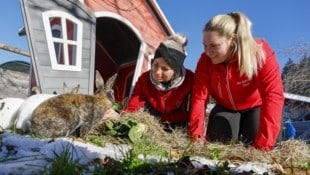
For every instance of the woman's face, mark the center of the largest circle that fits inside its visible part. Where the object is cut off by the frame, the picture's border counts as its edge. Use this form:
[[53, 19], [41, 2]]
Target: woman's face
[[162, 72], [218, 48]]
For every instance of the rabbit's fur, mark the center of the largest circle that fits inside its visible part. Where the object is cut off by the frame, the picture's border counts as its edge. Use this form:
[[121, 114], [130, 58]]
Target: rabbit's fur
[[8, 109], [73, 114], [24, 113]]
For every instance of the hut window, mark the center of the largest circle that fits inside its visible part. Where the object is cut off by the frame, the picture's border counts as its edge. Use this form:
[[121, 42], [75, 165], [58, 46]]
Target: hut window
[[64, 39]]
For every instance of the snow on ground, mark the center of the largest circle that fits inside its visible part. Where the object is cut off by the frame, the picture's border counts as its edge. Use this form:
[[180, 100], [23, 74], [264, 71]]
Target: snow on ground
[[23, 155]]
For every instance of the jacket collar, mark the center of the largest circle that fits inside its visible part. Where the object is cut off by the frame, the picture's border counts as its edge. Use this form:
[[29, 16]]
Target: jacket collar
[[175, 82]]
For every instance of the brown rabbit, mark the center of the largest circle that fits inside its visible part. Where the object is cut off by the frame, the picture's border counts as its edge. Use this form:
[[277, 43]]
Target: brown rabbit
[[69, 114], [25, 111]]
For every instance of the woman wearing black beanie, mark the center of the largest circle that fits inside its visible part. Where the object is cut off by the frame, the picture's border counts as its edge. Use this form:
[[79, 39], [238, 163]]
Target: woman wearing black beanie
[[165, 90]]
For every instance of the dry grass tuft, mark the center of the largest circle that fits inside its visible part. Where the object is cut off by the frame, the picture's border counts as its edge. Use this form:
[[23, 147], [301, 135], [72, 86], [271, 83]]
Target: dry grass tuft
[[155, 129], [290, 153]]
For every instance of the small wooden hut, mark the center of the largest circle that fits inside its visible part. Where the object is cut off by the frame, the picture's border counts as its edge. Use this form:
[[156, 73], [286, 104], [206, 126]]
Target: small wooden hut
[[70, 39]]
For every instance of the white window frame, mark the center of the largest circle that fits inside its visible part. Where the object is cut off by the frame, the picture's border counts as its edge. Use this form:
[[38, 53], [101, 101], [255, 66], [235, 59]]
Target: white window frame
[[150, 57], [63, 16]]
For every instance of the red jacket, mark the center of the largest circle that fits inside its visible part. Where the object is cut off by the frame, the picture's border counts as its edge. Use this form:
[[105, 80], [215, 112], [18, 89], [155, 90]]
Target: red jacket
[[172, 104], [224, 83]]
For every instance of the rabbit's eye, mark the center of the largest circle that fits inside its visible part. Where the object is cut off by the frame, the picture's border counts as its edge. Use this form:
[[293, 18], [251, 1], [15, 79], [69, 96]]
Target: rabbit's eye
[[110, 95]]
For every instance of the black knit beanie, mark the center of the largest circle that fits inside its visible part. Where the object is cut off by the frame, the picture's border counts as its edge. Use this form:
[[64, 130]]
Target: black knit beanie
[[173, 57]]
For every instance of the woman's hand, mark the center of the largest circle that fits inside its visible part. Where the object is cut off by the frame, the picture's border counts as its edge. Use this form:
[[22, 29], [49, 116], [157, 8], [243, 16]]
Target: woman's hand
[[111, 114], [199, 139]]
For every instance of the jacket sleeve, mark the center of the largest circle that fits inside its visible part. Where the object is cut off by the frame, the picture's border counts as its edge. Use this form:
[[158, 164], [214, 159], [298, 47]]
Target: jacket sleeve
[[199, 99], [137, 98], [271, 90]]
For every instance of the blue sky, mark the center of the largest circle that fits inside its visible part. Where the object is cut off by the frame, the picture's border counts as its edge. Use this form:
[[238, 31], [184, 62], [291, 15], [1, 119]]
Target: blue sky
[[11, 19], [281, 23]]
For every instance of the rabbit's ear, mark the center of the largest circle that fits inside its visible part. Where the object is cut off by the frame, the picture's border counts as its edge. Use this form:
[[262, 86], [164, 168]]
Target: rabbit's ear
[[110, 82], [2, 105], [109, 87], [76, 89], [99, 81], [65, 88], [36, 90]]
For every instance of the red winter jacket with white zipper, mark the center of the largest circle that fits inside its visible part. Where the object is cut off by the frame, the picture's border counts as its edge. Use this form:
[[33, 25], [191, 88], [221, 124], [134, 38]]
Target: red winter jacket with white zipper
[[224, 83], [172, 105]]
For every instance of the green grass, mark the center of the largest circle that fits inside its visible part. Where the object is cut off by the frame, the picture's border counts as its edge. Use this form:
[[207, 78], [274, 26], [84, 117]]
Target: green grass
[[64, 164], [134, 162]]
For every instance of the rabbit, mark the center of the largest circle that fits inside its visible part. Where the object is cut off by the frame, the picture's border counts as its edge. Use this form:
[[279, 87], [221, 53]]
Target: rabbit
[[8, 110], [73, 114], [24, 113]]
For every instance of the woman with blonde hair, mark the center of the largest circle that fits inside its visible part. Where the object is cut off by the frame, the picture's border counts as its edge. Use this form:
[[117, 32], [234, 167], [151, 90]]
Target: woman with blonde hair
[[242, 75]]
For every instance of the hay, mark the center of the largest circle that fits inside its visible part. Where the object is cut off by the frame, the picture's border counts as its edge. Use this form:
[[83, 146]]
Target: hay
[[290, 153]]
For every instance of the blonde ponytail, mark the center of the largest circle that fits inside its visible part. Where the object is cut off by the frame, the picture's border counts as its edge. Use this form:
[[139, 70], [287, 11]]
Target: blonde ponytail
[[251, 56]]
